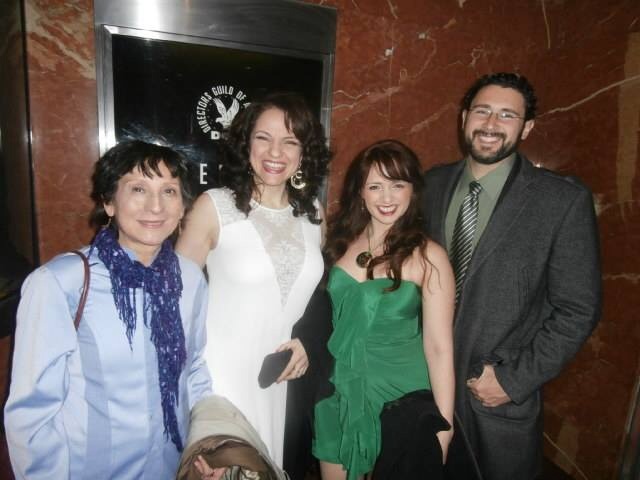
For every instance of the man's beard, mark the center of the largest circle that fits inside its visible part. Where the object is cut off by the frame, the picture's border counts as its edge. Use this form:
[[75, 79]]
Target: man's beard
[[490, 158]]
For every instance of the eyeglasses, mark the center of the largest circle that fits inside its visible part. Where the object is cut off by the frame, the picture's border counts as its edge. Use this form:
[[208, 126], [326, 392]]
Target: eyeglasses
[[485, 113]]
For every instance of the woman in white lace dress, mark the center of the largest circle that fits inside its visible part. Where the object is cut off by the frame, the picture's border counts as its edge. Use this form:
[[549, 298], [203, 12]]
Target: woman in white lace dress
[[260, 237]]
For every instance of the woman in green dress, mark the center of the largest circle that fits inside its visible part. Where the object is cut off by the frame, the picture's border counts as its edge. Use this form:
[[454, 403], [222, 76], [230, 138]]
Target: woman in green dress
[[392, 291]]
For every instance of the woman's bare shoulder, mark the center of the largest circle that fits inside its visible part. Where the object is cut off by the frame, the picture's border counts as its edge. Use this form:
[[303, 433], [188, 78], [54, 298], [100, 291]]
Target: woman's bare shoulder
[[436, 254]]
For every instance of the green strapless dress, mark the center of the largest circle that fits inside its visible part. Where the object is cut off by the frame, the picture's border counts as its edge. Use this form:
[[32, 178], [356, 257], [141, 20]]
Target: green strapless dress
[[379, 357]]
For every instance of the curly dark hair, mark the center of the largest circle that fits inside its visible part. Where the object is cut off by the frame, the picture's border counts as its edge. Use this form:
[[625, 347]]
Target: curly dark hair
[[506, 80], [236, 173], [395, 161], [126, 157]]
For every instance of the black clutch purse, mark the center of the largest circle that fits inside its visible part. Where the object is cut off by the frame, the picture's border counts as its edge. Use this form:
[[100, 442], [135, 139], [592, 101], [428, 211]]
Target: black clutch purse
[[272, 366]]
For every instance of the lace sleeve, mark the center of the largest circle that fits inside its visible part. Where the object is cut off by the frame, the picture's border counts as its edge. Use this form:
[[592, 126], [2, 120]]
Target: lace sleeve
[[225, 204]]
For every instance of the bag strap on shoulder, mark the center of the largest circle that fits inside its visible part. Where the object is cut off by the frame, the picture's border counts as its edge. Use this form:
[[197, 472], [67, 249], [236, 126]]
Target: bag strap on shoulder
[[85, 288]]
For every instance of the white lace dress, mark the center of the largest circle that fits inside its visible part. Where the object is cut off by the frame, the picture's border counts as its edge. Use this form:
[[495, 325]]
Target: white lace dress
[[262, 273]]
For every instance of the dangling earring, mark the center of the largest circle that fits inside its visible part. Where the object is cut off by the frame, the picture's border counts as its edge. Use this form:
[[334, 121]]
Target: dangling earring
[[296, 180], [180, 227], [108, 224]]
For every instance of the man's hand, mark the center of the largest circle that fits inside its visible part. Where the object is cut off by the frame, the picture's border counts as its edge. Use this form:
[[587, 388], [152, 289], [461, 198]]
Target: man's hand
[[487, 390]]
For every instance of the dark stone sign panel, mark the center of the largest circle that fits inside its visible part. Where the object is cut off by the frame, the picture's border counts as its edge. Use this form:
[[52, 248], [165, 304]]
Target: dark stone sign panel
[[188, 93]]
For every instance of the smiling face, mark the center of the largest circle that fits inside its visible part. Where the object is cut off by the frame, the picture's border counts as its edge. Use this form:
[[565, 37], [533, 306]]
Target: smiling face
[[386, 199], [275, 151], [146, 210], [494, 125]]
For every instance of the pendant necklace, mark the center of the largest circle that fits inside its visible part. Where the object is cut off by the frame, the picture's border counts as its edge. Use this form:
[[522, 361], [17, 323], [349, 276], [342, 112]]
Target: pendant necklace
[[363, 258]]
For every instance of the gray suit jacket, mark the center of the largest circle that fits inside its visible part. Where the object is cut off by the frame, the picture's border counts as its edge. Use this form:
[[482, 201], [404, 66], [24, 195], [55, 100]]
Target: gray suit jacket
[[531, 298]]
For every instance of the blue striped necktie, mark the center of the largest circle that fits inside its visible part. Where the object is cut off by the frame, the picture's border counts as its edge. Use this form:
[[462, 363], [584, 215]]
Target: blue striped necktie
[[463, 232]]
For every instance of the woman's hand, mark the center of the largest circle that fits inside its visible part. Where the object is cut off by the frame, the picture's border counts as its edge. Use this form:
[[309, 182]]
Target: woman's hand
[[444, 437], [206, 472], [299, 362]]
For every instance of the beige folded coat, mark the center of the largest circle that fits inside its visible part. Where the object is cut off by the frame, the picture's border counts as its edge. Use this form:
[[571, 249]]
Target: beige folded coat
[[221, 434]]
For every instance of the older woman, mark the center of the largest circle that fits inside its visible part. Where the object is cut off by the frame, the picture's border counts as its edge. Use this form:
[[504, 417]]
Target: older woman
[[260, 239], [112, 399]]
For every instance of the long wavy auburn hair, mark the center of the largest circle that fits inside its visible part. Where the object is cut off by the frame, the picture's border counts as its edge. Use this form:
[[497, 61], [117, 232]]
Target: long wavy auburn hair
[[394, 161]]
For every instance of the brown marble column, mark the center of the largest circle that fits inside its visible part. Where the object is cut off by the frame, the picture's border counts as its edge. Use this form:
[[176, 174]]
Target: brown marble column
[[63, 113]]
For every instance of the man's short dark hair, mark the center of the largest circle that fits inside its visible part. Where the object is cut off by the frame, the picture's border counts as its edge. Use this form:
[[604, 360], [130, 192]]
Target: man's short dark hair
[[506, 80]]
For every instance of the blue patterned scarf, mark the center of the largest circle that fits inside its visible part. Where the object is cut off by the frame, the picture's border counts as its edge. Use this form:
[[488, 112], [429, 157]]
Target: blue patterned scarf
[[161, 284]]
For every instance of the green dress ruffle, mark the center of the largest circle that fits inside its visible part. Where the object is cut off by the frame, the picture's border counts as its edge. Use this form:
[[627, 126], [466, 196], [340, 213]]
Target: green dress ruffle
[[379, 357]]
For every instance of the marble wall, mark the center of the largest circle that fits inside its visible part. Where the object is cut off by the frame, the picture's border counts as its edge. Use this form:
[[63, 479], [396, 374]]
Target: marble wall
[[401, 68], [63, 113]]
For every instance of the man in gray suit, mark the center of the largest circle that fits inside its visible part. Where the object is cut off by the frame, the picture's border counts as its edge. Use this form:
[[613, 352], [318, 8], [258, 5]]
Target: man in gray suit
[[523, 242]]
